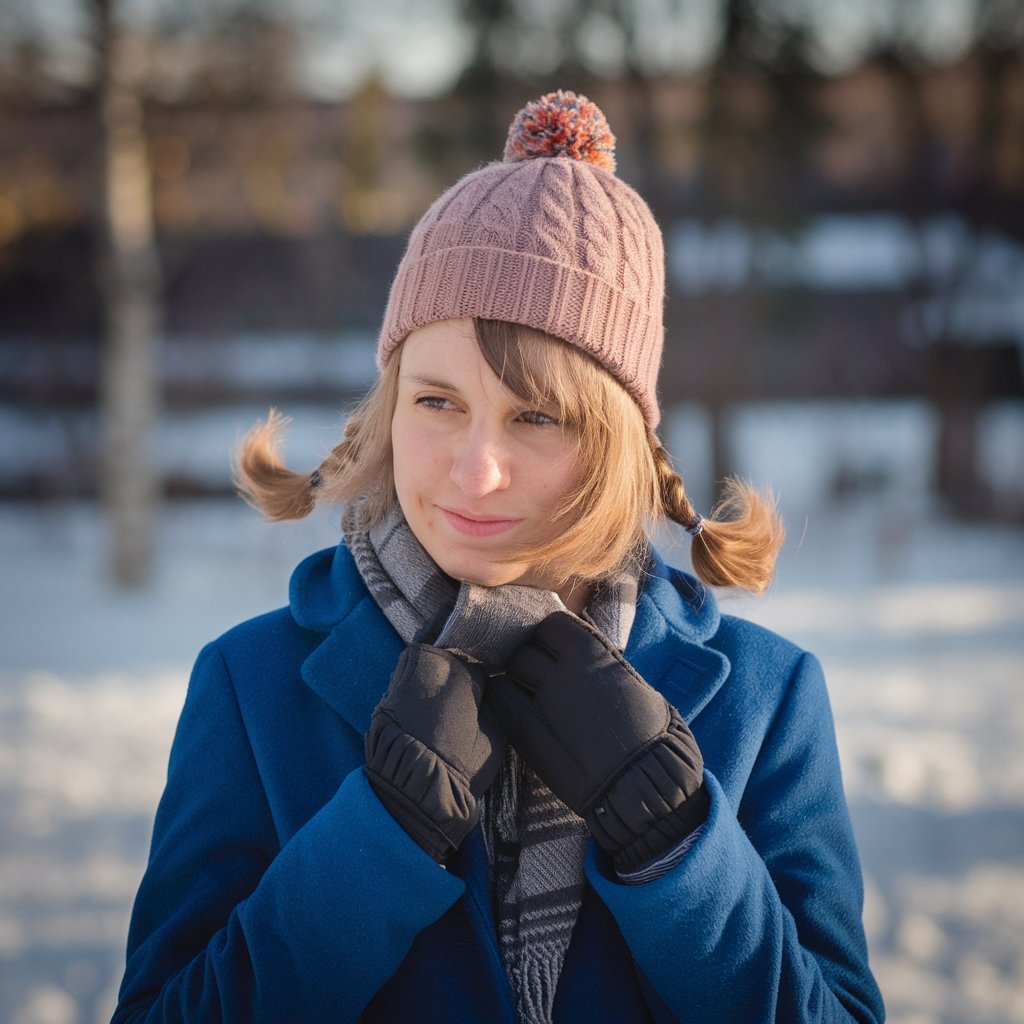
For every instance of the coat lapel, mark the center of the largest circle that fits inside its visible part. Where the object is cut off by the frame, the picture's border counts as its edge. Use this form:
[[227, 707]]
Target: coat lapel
[[352, 667], [675, 616]]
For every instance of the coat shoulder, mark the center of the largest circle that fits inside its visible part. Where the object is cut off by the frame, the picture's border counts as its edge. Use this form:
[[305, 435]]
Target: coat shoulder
[[737, 636], [739, 639], [770, 675], [273, 639]]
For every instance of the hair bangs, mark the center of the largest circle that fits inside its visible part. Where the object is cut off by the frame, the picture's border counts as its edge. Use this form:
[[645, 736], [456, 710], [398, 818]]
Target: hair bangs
[[617, 490], [545, 372]]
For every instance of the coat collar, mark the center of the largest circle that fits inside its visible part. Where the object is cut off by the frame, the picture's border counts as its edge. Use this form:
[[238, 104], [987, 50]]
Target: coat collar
[[675, 617], [351, 667]]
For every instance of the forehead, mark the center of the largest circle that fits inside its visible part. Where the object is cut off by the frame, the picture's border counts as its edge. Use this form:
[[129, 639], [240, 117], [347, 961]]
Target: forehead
[[438, 342], [447, 354], [507, 360]]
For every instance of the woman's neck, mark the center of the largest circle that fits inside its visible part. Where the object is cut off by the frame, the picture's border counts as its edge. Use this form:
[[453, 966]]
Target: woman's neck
[[575, 595]]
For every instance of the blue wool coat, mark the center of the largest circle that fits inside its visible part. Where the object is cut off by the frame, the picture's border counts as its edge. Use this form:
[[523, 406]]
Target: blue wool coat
[[280, 890]]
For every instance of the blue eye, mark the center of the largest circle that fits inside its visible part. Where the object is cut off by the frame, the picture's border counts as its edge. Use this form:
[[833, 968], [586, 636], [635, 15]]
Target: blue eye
[[434, 402], [538, 418]]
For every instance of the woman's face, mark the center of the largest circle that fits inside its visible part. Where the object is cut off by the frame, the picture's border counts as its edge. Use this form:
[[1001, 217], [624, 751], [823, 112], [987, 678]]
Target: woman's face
[[478, 473]]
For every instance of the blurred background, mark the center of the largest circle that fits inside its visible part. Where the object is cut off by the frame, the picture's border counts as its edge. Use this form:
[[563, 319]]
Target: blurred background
[[201, 207]]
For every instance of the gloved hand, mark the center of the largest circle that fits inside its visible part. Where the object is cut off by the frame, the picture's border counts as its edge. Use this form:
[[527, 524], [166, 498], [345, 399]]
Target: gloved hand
[[606, 743], [433, 748]]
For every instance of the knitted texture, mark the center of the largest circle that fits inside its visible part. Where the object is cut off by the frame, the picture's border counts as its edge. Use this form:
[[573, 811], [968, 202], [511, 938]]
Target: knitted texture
[[550, 241], [562, 124]]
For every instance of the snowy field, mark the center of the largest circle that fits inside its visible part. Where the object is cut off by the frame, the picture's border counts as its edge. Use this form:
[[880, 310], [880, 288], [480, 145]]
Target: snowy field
[[920, 625]]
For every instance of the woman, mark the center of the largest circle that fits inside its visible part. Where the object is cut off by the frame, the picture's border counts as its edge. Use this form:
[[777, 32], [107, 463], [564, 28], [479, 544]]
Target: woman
[[496, 761]]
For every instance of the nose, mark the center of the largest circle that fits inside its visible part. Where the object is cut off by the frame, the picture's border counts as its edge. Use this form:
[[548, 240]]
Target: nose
[[480, 465]]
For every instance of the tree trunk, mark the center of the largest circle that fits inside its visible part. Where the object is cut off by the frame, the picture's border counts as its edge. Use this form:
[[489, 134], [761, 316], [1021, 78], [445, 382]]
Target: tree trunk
[[957, 385], [130, 283]]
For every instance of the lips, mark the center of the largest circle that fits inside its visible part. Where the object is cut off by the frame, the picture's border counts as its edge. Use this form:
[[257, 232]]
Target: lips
[[471, 525]]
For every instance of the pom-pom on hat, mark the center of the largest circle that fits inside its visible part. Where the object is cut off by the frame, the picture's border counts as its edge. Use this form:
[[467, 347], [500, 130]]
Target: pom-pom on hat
[[549, 237], [561, 124]]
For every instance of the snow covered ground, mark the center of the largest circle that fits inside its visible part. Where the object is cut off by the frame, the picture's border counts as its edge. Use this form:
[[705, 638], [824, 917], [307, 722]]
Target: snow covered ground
[[920, 625]]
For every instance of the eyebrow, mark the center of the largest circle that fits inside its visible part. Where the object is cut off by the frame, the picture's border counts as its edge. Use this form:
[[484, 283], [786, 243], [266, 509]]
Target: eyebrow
[[431, 382], [444, 385]]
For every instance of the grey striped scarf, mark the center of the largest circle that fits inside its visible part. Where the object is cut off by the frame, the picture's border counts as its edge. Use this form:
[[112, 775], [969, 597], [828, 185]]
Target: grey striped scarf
[[534, 843]]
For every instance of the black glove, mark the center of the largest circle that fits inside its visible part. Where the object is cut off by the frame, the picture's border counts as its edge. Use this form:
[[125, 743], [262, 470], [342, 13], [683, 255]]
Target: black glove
[[607, 744], [433, 748]]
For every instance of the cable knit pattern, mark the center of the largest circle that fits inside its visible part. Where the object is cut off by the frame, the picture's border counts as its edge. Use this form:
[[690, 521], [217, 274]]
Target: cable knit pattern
[[551, 242]]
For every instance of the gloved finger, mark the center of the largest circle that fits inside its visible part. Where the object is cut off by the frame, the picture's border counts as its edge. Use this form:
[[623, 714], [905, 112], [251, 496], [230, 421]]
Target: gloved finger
[[522, 720], [527, 729], [566, 636], [488, 751], [508, 697], [582, 652], [533, 666], [424, 670], [518, 716]]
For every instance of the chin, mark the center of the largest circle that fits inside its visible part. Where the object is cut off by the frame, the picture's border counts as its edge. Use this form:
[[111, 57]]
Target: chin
[[467, 568], [483, 575]]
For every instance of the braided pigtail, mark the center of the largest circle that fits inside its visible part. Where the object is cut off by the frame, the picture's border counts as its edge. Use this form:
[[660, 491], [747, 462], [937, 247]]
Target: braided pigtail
[[358, 467], [736, 546], [265, 481], [267, 484]]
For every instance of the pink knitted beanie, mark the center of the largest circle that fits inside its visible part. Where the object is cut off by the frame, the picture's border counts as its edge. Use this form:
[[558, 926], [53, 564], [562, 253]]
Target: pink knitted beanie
[[550, 238]]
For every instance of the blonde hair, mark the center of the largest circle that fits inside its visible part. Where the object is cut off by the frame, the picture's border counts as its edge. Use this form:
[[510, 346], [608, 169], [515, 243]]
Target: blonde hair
[[358, 468], [605, 515]]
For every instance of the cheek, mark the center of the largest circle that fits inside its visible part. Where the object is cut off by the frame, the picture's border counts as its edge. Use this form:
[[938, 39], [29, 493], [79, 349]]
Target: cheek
[[417, 463], [403, 460], [561, 478]]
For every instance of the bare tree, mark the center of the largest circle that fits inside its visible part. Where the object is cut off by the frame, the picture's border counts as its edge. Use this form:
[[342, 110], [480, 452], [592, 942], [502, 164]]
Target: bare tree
[[124, 65], [130, 285]]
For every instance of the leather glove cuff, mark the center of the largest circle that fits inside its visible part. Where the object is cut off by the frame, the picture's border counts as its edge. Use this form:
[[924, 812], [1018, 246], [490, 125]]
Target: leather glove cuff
[[654, 803]]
